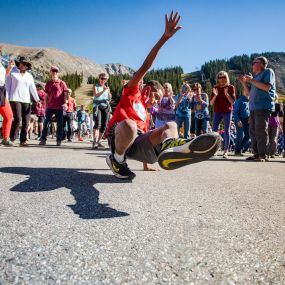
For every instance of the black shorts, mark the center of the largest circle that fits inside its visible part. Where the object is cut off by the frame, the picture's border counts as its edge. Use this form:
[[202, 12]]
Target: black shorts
[[141, 150], [41, 119]]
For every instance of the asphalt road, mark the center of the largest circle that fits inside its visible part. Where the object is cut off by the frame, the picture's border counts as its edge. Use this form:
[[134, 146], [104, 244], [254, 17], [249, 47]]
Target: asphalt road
[[64, 219]]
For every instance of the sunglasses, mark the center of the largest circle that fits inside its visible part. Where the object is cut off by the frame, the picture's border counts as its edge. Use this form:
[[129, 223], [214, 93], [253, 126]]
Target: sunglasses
[[222, 77], [54, 70], [103, 78], [255, 62]]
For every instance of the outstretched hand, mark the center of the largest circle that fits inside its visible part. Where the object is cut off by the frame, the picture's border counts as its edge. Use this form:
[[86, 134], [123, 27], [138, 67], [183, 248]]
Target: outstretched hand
[[171, 24]]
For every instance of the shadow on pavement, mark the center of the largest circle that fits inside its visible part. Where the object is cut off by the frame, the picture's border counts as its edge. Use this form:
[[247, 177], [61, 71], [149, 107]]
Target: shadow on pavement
[[278, 160], [79, 181]]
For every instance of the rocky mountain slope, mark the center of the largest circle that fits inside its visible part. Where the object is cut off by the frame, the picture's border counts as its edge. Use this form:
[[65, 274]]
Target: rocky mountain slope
[[44, 58]]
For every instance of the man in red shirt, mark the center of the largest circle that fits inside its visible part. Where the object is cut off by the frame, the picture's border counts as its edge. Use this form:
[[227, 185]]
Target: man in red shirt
[[127, 131], [68, 116], [56, 98]]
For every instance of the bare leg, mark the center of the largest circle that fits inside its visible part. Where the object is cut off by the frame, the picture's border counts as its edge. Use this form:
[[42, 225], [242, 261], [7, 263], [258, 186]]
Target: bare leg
[[125, 134], [41, 127], [169, 130], [100, 136], [95, 135]]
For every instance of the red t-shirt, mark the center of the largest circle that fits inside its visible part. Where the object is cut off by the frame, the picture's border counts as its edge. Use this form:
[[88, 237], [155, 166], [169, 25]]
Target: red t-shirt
[[40, 111], [55, 91], [71, 105], [131, 106], [222, 104]]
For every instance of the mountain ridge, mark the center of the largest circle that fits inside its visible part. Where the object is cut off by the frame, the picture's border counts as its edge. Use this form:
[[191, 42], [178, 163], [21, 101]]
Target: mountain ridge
[[43, 58]]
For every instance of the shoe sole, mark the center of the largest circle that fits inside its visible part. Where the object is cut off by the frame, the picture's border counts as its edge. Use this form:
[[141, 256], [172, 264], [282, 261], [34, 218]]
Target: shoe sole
[[197, 150], [117, 174]]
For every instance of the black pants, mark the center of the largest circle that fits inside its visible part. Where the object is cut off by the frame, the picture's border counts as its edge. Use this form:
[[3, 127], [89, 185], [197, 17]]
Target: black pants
[[21, 113], [59, 119], [258, 130], [192, 125], [101, 118], [67, 125]]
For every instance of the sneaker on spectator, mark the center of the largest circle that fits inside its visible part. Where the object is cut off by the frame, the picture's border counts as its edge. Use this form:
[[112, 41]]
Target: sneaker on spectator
[[24, 144], [100, 145], [7, 142], [42, 142], [252, 158]]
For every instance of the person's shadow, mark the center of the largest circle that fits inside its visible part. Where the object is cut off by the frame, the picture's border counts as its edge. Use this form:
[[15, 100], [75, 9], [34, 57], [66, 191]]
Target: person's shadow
[[79, 181]]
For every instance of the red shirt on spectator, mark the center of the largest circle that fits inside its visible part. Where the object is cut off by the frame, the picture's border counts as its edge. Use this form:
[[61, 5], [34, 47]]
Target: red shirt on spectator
[[71, 105], [41, 110], [222, 104], [131, 106], [56, 94]]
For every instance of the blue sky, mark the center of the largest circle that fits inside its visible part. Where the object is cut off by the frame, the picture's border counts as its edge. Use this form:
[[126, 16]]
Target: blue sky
[[110, 31]]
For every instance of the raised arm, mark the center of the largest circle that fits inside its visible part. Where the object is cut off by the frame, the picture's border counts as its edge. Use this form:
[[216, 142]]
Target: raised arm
[[171, 27]]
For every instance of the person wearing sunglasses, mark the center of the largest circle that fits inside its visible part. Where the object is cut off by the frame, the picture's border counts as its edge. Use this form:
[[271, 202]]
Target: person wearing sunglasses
[[222, 100], [56, 101], [261, 88], [101, 109]]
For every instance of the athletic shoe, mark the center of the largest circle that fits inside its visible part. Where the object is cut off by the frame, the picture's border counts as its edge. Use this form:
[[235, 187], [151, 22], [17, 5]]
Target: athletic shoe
[[120, 170], [252, 158], [69, 140], [7, 142], [261, 159], [178, 153], [42, 142], [80, 139], [94, 145], [100, 145], [24, 144], [58, 143], [225, 156]]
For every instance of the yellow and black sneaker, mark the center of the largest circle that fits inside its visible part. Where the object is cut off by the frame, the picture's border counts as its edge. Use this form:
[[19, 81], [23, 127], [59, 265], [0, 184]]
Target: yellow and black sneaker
[[120, 170], [177, 153]]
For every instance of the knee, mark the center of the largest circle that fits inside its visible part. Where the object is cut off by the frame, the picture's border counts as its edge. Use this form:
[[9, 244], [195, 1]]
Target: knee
[[170, 126], [129, 128]]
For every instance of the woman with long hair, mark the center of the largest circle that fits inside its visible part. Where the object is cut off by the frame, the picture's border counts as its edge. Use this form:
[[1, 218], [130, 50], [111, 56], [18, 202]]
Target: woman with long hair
[[166, 107], [222, 100]]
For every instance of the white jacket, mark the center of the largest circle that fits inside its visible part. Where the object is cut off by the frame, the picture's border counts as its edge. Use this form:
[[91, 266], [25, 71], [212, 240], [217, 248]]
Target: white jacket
[[20, 87]]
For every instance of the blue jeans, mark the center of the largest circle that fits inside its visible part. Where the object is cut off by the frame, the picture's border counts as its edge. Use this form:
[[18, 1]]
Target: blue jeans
[[186, 121], [242, 138], [218, 117], [59, 120]]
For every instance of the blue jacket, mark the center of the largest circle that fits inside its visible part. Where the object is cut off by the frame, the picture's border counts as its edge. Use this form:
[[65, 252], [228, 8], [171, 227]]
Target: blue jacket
[[241, 109]]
